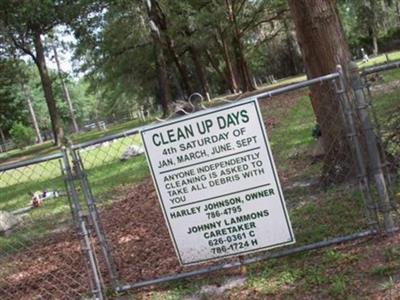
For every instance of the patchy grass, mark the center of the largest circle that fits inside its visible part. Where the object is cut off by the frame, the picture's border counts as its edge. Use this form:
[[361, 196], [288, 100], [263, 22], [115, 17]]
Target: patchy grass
[[380, 59], [28, 152], [316, 214], [293, 134], [105, 170], [391, 75], [54, 212], [113, 129], [364, 271], [49, 148], [391, 264], [104, 179], [336, 273]]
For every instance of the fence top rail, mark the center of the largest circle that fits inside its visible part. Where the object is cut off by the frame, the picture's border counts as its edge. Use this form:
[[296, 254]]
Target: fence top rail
[[295, 86], [385, 67], [261, 96], [104, 139], [28, 162]]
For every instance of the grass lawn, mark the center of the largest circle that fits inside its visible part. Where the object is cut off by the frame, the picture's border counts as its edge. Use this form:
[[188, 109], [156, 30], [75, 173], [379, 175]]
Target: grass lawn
[[48, 147], [105, 170], [316, 213], [380, 59]]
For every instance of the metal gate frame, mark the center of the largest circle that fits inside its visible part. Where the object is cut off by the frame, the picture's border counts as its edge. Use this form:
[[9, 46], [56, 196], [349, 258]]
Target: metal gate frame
[[350, 93]]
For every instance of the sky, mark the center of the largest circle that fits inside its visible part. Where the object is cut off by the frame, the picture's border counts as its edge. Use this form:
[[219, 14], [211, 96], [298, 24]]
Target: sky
[[65, 55]]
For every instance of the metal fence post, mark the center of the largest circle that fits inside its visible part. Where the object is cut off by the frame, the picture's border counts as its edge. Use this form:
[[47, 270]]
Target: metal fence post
[[372, 148], [369, 204], [94, 216], [84, 237], [385, 164]]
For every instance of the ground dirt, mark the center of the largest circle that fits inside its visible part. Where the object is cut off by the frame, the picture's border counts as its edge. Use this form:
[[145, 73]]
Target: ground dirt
[[142, 245], [142, 250]]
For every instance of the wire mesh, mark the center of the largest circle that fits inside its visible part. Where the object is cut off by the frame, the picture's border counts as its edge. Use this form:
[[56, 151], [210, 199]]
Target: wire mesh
[[40, 254], [381, 88], [319, 148], [107, 167], [317, 167]]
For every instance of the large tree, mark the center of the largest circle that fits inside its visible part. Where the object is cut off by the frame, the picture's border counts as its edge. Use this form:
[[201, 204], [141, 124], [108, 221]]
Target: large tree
[[67, 97], [324, 46], [12, 108], [24, 23]]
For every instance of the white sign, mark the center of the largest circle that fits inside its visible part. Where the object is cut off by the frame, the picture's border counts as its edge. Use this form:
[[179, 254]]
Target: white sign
[[217, 183]]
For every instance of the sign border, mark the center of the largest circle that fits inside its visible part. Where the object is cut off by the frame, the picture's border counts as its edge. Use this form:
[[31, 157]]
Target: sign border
[[253, 101]]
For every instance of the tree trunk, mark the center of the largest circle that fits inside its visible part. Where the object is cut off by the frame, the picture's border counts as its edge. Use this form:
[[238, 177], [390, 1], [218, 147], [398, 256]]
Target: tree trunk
[[58, 131], [39, 138], [375, 44], [3, 147], [244, 73], [182, 69], [205, 87], [241, 62], [290, 49], [228, 63], [164, 92], [398, 12], [372, 7], [215, 65], [164, 95], [66, 93], [323, 45]]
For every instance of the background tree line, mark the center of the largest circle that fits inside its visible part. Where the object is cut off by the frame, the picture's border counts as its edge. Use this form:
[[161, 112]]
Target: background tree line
[[152, 52]]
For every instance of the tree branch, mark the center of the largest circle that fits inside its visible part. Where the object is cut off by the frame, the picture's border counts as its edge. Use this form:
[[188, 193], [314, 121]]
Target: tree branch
[[251, 24], [130, 48], [267, 38], [23, 48]]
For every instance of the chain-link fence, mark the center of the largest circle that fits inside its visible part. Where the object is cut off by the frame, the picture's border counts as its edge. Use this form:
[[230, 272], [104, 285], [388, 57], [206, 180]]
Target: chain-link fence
[[328, 157], [90, 220], [108, 166], [381, 91], [40, 253]]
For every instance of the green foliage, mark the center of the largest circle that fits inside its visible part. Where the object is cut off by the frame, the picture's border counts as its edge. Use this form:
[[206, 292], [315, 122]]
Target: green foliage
[[118, 52], [363, 19], [12, 107], [391, 264], [22, 135], [338, 286]]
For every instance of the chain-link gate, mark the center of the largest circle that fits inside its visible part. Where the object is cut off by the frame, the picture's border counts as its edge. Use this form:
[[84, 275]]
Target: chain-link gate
[[78, 226], [132, 237], [45, 250]]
